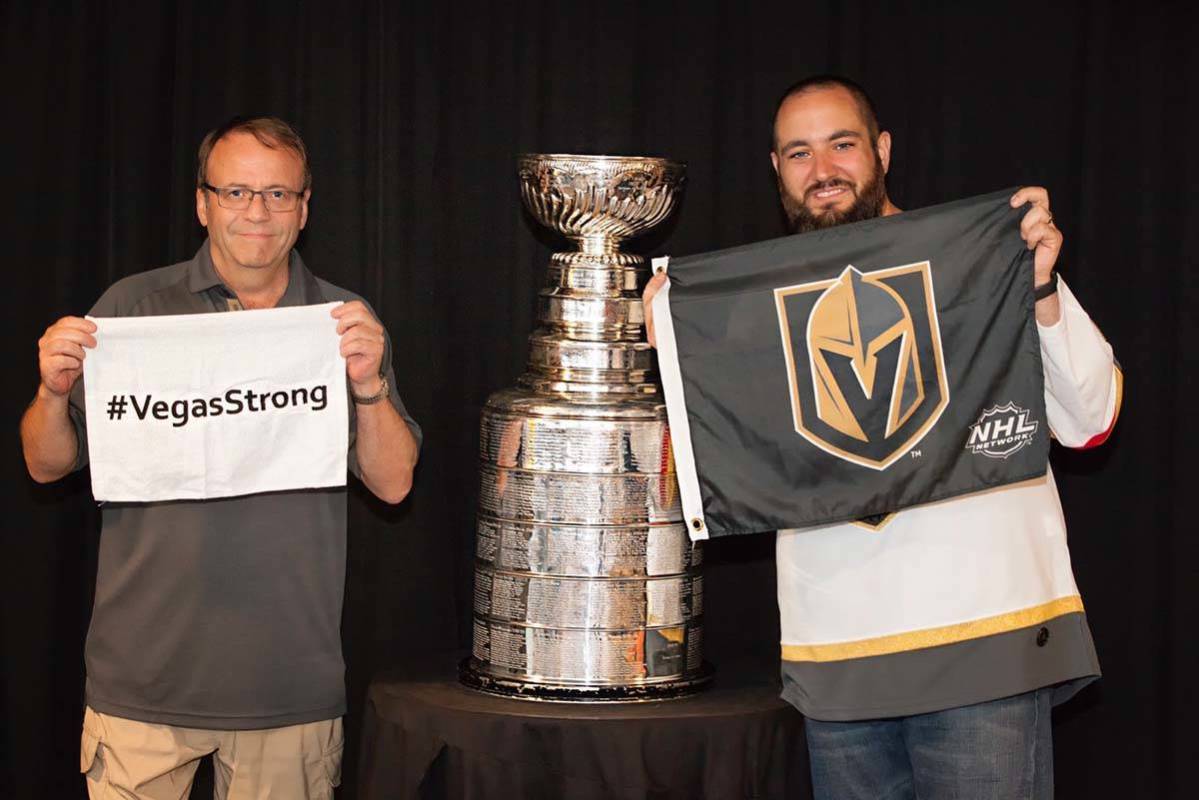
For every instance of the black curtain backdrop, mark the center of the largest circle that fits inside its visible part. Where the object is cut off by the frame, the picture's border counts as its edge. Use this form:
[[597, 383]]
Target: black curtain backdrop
[[414, 116]]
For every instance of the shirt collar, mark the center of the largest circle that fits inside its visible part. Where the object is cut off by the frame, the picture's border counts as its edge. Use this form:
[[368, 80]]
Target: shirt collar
[[302, 287]]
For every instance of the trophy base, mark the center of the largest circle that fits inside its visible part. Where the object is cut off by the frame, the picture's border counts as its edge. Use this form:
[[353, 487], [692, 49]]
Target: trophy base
[[559, 692]]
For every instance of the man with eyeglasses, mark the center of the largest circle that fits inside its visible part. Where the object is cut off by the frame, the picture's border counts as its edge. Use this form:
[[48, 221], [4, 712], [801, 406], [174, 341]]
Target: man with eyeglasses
[[216, 624]]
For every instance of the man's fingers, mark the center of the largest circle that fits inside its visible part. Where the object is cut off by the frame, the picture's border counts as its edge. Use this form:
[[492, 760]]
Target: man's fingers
[[652, 288], [354, 314], [361, 345], [75, 323], [75, 335], [649, 324], [64, 362], [363, 333], [362, 342], [358, 317], [340, 311], [369, 324], [59, 372], [1043, 234], [654, 285], [348, 349], [1037, 195], [63, 347], [74, 329], [1037, 215], [61, 352]]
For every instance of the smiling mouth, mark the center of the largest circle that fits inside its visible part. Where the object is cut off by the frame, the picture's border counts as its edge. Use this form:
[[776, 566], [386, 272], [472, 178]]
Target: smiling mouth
[[828, 192]]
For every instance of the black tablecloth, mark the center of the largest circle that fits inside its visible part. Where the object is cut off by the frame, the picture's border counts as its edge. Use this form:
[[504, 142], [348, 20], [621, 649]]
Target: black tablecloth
[[429, 737]]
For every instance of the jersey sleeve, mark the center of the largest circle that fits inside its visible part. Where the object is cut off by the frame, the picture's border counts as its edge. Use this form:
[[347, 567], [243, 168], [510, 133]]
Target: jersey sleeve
[[1083, 381]]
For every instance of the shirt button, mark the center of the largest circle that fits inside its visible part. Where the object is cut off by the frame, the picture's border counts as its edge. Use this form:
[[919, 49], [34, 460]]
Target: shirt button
[[1042, 637]]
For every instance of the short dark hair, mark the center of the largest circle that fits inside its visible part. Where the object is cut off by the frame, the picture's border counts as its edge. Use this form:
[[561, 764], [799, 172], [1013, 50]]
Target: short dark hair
[[271, 132], [828, 81]]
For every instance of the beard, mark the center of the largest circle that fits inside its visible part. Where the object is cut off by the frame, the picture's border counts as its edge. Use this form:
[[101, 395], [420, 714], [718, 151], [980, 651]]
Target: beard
[[868, 203]]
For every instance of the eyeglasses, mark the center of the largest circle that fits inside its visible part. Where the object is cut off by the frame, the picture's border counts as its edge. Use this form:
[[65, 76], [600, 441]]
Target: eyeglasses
[[239, 198]]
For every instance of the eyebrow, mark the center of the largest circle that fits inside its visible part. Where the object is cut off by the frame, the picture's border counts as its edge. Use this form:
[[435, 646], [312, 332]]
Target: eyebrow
[[841, 134], [263, 189]]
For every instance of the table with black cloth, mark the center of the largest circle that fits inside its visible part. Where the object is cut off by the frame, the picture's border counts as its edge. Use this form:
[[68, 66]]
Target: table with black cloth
[[427, 736]]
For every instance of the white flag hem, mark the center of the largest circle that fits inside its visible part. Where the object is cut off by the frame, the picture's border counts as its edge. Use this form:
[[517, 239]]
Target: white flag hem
[[676, 412]]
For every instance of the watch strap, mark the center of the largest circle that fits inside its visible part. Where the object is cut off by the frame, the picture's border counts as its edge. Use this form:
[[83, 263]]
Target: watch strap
[[384, 388], [1046, 289]]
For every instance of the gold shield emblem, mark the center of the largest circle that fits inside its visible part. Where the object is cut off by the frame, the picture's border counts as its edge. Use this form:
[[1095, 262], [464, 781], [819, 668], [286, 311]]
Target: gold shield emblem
[[865, 365]]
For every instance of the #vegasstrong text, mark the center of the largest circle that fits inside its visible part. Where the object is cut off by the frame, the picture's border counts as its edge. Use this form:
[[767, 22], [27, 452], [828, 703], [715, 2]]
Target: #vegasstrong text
[[232, 402]]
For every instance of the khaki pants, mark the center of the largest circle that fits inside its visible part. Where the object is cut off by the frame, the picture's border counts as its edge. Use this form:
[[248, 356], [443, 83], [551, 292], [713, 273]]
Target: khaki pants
[[128, 760]]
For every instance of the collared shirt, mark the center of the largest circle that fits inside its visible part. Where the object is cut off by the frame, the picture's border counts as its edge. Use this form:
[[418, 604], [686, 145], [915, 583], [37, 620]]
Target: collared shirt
[[221, 614]]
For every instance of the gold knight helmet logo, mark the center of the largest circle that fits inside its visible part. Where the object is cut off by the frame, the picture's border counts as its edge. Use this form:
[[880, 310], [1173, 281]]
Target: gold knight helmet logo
[[864, 359]]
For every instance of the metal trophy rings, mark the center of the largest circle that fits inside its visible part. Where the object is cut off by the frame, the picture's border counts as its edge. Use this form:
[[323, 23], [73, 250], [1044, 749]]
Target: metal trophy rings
[[586, 585]]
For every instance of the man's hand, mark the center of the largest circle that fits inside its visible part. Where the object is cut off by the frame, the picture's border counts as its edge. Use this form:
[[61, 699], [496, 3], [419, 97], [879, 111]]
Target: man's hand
[[47, 435], [1045, 240], [1038, 231], [60, 353], [387, 450], [647, 298], [362, 346]]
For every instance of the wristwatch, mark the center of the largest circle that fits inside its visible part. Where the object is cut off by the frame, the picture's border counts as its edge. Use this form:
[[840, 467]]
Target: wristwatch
[[374, 398], [1046, 289]]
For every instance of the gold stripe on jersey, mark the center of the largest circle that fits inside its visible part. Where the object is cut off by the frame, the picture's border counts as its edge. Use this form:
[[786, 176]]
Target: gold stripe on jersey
[[933, 637]]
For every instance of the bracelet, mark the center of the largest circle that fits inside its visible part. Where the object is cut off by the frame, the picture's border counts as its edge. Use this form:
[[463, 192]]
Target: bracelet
[[1046, 289], [374, 398]]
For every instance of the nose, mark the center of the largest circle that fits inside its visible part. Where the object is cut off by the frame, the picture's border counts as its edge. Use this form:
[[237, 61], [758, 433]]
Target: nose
[[822, 166], [257, 209]]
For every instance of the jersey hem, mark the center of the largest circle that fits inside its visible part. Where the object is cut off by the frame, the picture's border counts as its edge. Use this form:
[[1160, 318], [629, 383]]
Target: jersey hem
[[1063, 691]]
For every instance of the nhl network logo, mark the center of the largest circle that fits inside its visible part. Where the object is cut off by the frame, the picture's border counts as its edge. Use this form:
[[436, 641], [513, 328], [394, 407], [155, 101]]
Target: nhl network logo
[[1001, 431], [864, 363]]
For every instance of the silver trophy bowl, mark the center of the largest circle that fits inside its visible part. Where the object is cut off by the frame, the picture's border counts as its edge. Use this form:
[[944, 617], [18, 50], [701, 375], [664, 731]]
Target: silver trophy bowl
[[596, 201], [586, 585]]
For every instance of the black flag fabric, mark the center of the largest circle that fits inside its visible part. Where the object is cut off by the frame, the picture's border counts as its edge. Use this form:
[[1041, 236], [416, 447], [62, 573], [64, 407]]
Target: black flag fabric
[[848, 373]]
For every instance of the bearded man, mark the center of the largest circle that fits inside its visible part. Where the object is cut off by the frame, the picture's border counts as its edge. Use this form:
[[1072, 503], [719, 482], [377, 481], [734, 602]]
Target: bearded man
[[922, 709]]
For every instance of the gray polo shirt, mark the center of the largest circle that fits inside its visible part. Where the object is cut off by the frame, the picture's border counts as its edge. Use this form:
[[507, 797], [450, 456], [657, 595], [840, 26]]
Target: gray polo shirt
[[225, 613]]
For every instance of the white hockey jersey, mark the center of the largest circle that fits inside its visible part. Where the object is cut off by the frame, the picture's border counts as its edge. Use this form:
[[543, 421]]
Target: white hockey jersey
[[955, 602]]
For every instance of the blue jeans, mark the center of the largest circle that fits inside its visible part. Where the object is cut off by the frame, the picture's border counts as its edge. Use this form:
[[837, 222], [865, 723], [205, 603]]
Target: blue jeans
[[1001, 750]]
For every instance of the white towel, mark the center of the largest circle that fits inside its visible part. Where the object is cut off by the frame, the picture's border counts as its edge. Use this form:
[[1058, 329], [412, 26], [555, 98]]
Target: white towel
[[197, 406]]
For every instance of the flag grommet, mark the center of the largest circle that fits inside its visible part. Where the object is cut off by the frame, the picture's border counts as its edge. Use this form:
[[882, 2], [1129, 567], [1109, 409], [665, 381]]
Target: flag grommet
[[697, 524]]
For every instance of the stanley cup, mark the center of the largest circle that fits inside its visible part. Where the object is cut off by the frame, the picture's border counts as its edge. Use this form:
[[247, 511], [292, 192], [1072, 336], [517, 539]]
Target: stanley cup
[[586, 586]]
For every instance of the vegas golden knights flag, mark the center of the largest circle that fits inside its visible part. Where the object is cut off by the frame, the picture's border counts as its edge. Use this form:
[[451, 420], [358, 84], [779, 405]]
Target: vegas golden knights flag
[[849, 373]]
